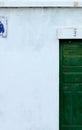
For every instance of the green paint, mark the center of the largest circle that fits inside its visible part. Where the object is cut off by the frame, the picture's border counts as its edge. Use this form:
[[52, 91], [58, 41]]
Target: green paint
[[70, 84]]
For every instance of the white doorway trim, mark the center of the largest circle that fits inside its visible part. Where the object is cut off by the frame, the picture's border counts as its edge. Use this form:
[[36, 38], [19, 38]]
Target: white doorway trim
[[69, 33]]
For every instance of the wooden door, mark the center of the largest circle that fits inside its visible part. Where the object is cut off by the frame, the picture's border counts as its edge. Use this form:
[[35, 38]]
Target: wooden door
[[70, 84]]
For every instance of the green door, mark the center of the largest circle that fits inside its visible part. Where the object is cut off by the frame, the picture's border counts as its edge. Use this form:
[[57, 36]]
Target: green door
[[70, 84]]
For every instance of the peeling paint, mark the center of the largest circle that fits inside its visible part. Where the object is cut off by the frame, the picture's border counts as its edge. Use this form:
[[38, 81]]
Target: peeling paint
[[75, 3]]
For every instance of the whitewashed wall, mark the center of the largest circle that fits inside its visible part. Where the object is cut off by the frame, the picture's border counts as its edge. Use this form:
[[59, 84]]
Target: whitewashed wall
[[29, 67]]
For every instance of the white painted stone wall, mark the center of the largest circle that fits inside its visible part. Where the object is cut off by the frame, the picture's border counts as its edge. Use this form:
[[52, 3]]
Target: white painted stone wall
[[40, 3], [29, 66]]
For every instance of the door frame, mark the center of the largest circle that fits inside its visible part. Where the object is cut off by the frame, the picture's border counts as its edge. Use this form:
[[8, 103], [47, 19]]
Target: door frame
[[67, 33]]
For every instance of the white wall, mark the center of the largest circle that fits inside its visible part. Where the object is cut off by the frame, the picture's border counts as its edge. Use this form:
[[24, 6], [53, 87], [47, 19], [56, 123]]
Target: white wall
[[29, 67], [41, 3]]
